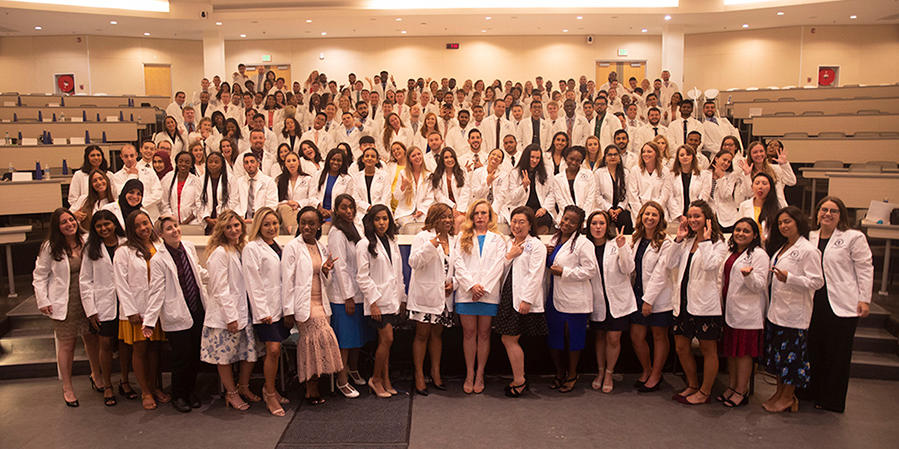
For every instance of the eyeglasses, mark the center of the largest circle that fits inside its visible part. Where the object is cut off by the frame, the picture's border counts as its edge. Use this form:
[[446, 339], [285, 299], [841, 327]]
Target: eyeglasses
[[825, 210]]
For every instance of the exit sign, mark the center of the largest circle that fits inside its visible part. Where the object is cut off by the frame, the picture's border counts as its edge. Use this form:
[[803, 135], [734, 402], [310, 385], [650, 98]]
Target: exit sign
[[266, 58], [622, 52], [452, 46]]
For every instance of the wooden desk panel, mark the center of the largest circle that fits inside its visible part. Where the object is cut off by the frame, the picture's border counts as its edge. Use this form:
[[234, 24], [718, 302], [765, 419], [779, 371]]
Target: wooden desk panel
[[811, 94], [141, 115], [81, 100], [827, 107], [857, 190], [30, 197], [815, 125], [848, 150], [24, 157], [115, 131]]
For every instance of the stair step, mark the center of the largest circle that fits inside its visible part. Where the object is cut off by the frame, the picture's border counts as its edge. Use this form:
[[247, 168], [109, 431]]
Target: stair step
[[877, 318], [875, 365], [27, 315], [23, 366], [30, 341], [874, 339]]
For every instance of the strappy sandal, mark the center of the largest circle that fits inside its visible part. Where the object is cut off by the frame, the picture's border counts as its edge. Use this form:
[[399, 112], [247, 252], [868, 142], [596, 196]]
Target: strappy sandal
[[272, 403], [109, 401], [129, 394], [514, 391], [148, 402], [568, 385], [729, 402], [726, 395], [557, 383]]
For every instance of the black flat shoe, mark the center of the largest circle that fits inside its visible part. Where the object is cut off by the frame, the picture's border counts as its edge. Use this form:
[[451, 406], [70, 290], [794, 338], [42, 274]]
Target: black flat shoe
[[638, 384], [422, 392], [644, 389], [181, 405], [195, 401], [440, 387], [72, 404], [315, 400]]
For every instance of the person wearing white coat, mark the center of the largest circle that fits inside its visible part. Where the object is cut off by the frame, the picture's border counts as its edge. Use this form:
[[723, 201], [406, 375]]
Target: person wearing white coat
[[529, 184], [574, 185], [131, 266], [646, 179], [98, 297], [55, 281], [411, 192], [180, 190], [228, 337], [94, 159], [696, 257], [744, 296], [177, 300], [845, 297], [488, 181], [449, 183], [612, 306], [726, 192], [758, 161], [478, 272], [569, 302], [348, 315], [293, 186], [380, 278], [430, 299], [796, 274], [216, 190], [261, 263], [306, 275], [371, 182], [684, 184], [652, 292], [331, 181], [613, 193], [521, 305], [172, 134]]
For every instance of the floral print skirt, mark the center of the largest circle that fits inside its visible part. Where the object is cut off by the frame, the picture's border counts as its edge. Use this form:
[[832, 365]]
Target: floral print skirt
[[786, 354]]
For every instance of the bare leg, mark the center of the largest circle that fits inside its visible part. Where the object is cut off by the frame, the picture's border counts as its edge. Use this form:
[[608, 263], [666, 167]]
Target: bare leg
[[125, 357], [641, 349], [613, 349], [743, 368], [140, 361], [419, 348], [344, 359], [226, 374], [688, 363], [469, 348], [516, 358], [105, 355], [600, 348], [92, 349], [65, 356], [435, 350], [709, 350], [270, 365], [382, 354], [661, 346], [483, 351]]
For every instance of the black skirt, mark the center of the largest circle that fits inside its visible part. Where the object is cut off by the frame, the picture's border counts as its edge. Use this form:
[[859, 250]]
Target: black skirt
[[510, 322]]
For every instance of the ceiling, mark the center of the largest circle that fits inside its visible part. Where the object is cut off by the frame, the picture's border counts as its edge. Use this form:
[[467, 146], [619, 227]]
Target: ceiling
[[276, 19]]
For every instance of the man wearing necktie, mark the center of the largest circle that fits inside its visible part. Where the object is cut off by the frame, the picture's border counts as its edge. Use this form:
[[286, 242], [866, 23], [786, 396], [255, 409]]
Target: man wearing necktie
[[569, 107], [715, 129]]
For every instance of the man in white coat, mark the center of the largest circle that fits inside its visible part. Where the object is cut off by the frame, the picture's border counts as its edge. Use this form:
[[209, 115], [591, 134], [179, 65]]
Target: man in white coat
[[457, 136], [318, 135], [152, 188], [715, 129], [650, 130], [254, 189], [496, 126], [680, 128], [176, 108], [231, 111], [348, 133]]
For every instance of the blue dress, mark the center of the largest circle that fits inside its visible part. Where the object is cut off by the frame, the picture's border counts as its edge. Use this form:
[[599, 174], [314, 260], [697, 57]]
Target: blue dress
[[556, 321], [477, 308]]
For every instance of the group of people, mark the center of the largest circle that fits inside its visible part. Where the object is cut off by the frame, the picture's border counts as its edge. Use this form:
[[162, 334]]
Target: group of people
[[630, 215]]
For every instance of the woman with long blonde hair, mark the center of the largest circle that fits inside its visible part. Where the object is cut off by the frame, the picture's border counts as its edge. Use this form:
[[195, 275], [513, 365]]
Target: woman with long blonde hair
[[411, 191]]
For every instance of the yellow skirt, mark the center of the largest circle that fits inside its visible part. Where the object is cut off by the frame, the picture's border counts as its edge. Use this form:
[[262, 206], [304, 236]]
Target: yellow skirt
[[130, 333]]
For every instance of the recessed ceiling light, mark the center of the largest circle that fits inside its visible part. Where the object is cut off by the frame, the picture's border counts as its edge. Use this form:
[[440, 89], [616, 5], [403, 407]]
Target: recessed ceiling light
[[745, 25], [218, 23], [146, 34], [324, 33], [113, 22], [308, 20], [483, 31], [853, 17], [38, 28], [399, 19], [403, 32], [580, 17], [487, 18], [780, 13], [565, 31], [644, 30], [243, 35], [667, 17]]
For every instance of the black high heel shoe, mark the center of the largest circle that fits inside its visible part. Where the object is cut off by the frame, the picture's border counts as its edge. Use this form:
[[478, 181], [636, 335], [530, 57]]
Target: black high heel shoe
[[94, 385], [422, 392], [514, 391], [130, 395]]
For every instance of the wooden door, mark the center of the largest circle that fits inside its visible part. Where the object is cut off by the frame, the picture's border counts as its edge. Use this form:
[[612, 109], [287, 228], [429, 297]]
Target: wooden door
[[281, 70], [603, 68], [158, 80], [636, 69]]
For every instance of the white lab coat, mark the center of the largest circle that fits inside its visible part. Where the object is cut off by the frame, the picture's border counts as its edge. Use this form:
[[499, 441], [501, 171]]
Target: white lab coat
[[265, 194], [726, 198], [617, 267], [572, 292], [791, 301], [379, 192], [97, 285], [299, 191], [426, 284], [704, 284], [131, 281], [783, 176], [605, 190], [848, 271], [152, 200], [179, 143], [51, 282], [673, 192], [440, 194], [488, 131], [584, 192], [262, 276], [227, 300], [166, 299], [204, 210], [517, 194], [343, 184], [528, 272], [343, 283], [190, 193], [420, 199], [479, 267], [747, 296], [676, 131], [478, 188], [79, 188], [380, 278], [296, 276], [657, 282], [321, 138], [645, 187]]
